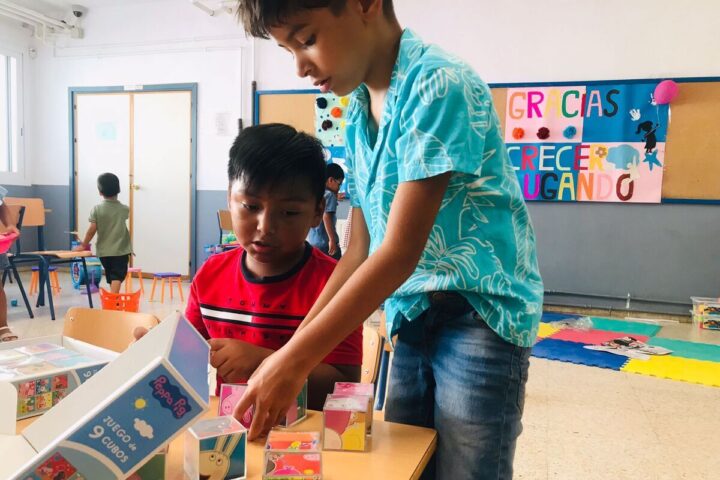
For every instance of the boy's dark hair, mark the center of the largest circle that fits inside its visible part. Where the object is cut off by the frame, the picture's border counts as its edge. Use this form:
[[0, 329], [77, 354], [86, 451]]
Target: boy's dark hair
[[108, 184], [266, 155], [333, 170], [258, 16]]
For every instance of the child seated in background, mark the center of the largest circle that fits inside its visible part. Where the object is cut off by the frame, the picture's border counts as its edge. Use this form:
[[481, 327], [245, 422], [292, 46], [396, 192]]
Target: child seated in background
[[249, 301], [108, 219], [325, 237], [8, 226]]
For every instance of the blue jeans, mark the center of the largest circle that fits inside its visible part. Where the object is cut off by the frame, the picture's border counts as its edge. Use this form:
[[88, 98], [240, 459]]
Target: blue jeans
[[453, 373]]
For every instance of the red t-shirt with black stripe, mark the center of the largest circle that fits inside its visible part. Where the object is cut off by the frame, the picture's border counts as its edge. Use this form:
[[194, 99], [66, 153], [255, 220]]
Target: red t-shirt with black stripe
[[226, 301]]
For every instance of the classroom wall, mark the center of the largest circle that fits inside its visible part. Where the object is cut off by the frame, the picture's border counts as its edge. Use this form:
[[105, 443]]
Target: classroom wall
[[656, 252], [159, 42]]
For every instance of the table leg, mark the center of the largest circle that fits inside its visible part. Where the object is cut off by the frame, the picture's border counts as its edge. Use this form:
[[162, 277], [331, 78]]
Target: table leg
[[89, 293]]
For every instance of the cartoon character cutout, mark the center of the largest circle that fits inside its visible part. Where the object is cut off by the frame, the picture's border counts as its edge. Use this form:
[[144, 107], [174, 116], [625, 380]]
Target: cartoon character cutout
[[215, 464], [227, 405]]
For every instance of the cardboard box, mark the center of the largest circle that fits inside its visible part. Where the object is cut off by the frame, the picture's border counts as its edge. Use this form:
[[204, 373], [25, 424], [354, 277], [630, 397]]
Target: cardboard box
[[215, 449], [45, 370], [292, 455], [345, 423], [364, 389], [230, 394], [115, 422]]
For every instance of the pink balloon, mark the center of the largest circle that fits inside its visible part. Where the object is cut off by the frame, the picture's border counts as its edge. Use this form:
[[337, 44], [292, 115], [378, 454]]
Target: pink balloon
[[665, 92]]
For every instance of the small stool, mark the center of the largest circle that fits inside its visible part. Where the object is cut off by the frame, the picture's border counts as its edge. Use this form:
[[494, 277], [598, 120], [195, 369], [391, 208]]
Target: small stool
[[35, 280], [128, 280], [170, 276]]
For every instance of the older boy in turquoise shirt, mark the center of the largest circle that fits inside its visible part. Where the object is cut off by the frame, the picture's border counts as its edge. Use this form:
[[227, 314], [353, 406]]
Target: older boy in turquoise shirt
[[442, 234]]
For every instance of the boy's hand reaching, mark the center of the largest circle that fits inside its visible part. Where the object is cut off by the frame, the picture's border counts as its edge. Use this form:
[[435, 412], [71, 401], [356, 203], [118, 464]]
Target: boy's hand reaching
[[271, 390], [235, 360]]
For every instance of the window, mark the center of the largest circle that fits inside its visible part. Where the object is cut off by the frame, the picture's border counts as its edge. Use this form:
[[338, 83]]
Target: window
[[10, 117]]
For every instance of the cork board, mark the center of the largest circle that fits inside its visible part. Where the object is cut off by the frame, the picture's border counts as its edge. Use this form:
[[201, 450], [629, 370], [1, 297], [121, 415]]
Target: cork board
[[295, 109], [692, 152]]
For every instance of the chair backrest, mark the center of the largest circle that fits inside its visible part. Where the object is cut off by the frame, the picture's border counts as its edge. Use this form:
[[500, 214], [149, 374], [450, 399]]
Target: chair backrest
[[34, 210], [224, 220], [372, 350], [105, 328]]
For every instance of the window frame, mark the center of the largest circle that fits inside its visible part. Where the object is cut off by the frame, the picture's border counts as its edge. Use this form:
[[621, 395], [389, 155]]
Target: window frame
[[18, 177]]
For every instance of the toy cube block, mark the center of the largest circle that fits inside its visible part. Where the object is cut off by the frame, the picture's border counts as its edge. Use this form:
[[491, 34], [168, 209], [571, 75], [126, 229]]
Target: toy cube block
[[230, 394], [292, 455], [215, 449], [345, 422], [365, 389]]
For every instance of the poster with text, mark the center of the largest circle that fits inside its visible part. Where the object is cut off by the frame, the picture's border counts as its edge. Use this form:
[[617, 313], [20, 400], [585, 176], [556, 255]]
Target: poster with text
[[587, 143]]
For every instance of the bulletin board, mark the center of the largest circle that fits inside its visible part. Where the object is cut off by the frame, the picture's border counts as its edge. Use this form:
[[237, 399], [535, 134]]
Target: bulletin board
[[692, 155]]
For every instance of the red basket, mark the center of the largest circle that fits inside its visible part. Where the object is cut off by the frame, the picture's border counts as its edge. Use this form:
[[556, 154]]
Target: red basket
[[125, 302]]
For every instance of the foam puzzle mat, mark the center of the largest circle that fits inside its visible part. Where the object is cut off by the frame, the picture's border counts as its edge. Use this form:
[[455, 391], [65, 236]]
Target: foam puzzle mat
[[689, 362], [572, 352], [677, 368]]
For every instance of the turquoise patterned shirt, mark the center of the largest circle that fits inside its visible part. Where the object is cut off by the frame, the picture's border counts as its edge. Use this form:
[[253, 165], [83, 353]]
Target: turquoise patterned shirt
[[439, 117]]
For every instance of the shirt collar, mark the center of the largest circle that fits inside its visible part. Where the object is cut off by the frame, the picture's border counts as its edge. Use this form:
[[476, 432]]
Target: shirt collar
[[410, 49]]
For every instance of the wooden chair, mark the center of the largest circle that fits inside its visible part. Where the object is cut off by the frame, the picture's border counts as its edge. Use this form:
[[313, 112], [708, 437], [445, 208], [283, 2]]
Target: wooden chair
[[224, 223], [105, 328], [372, 351]]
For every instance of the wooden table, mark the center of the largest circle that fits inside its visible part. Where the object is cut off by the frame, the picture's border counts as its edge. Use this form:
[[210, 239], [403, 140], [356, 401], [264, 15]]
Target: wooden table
[[397, 452], [45, 259]]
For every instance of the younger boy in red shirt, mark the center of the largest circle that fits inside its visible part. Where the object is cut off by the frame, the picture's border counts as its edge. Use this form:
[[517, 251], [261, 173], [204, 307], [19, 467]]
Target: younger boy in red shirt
[[248, 302]]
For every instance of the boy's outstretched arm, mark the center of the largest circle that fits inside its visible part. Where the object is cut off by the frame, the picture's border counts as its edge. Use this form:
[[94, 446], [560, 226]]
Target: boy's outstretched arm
[[88, 237], [280, 376]]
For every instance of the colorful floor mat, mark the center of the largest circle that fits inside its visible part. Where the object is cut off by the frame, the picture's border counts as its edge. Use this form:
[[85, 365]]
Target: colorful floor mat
[[677, 368], [681, 348], [592, 337], [625, 326], [545, 330], [575, 353]]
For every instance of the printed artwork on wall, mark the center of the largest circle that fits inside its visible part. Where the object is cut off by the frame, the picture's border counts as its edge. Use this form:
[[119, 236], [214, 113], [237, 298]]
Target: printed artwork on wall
[[588, 142], [330, 114]]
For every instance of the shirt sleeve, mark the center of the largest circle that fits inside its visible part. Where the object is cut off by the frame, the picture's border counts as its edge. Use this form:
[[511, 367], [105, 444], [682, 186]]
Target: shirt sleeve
[[444, 121], [350, 186], [93, 215], [192, 311], [330, 202]]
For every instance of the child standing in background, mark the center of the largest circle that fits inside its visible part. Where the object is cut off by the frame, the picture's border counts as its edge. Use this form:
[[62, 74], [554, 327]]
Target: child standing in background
[[109, 220], [324, 237]]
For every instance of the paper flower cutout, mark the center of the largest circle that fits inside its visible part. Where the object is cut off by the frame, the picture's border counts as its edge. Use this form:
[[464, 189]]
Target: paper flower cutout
[[518, 133], [601, 152]]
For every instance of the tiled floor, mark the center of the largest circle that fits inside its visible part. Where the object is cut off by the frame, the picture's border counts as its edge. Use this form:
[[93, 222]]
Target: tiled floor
[[580, 422]]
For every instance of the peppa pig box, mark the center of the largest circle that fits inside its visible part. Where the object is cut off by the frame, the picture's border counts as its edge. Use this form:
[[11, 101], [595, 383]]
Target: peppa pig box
[[45, 370], [113, 423]]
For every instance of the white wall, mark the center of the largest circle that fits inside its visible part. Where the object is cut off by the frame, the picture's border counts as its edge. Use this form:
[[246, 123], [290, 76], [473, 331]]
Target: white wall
[[552, 40], [142, 44]]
